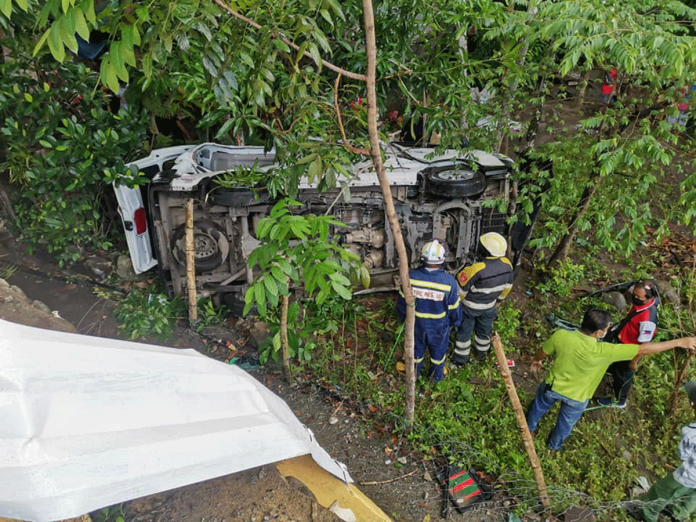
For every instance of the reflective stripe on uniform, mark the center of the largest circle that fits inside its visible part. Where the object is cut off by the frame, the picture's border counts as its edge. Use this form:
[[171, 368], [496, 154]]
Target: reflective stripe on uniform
[[463, 344], [419, 360], [423, 315], [482, 340], [428, 284], [462, 351], [433, 361], [498, 288], [478, 306], [455, 305]]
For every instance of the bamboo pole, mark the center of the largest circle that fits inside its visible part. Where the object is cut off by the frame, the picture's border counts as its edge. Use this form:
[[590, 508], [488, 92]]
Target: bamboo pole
[[284, 344], [191, 263], [390, 209], [521, 420]]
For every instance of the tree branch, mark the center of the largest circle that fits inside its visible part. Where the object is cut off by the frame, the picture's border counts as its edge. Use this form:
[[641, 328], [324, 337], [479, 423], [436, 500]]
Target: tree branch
[[350, 147], [328, 65]]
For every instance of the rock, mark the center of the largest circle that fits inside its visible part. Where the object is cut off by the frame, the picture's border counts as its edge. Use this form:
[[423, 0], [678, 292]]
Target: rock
[[41, 306], [627, 455], [259, 332], [615, 299], [636, 492], [344, 514], [99, 267], [579, 514], [19, 291], [4, 284], [667, 292], [333, 420], [124, 269]]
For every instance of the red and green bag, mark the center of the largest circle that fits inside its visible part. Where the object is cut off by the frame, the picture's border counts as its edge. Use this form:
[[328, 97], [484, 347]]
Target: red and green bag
[[462, 488]]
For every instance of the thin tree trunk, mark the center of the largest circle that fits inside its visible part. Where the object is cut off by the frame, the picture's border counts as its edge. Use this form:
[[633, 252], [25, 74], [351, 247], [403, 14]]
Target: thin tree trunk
[[521, 420], [191, 264], [582, 88], [284, 345], [505, 118], [564, 245], [376, 154], [681, 377]]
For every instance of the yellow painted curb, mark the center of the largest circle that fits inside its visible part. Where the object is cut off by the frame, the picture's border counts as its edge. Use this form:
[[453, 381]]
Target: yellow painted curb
[[330, 491]]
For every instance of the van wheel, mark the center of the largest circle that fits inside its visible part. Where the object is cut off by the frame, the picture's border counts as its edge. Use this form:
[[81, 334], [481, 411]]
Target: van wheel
[[211, 247], [455, 183]]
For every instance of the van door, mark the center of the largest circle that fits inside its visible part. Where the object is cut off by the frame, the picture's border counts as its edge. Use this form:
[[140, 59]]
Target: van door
[[132, 209]]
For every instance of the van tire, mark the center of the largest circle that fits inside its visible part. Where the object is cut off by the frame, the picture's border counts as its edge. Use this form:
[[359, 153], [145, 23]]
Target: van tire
[[211, 237], [462, 183]]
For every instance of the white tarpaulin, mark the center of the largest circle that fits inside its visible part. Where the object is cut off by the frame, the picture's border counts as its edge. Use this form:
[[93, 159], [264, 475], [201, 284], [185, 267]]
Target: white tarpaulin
[[87, 422]]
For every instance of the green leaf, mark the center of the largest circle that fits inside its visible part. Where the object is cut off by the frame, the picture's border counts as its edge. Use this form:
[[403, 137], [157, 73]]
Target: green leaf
[[6, 7], [278, 274], [246, 59], [119, 65], [339, 278], [341, 290], [136, 35], [325, 14], [28, 97], [364, 276], [314, 172], [281, 45], [108, 75], [270, 285], [127, 36], [80, 24], [307, 159], [225, 128], [88, 9], [260, 296], [55, 44], [316, 56], [293, 312]]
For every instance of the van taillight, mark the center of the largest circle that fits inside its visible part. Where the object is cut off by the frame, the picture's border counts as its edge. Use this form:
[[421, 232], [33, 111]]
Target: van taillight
[[140, 221]]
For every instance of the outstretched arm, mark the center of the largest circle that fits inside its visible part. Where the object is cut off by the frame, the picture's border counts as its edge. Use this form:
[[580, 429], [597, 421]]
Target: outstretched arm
[[688, 343]]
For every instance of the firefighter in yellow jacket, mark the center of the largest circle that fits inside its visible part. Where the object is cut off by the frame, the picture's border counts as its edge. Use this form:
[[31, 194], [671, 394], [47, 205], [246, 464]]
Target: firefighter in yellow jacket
[[482, 287]]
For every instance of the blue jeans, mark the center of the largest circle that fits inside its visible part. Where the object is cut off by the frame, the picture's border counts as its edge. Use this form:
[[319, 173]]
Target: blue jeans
[[569, 414]]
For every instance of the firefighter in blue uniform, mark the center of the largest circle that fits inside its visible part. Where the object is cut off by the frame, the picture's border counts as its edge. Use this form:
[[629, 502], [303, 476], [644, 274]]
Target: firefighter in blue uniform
[[437, 308], [482, 287]]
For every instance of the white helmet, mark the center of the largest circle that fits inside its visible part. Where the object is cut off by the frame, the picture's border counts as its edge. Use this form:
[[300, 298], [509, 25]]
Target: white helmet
[[494, 243], [434, 252]]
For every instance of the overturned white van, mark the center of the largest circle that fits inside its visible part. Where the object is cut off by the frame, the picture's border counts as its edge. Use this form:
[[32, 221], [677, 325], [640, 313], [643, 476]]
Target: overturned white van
[[437, 195]]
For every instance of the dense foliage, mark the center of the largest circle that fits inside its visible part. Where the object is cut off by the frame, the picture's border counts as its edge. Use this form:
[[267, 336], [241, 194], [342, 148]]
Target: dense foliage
[[64, 149], [274, 88]]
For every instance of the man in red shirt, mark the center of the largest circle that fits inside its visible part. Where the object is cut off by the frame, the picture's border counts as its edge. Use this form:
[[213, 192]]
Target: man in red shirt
[[608, 86], [639, 326]]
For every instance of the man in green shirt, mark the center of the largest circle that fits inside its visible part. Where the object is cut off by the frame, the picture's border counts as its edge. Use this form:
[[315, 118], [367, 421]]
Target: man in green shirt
[[580, 362]]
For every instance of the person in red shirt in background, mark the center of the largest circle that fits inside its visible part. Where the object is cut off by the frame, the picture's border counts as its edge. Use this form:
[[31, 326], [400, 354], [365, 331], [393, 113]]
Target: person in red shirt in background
[[608, 86], [682, 117], [639, 326]]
